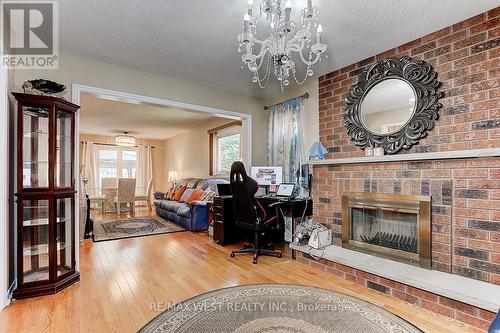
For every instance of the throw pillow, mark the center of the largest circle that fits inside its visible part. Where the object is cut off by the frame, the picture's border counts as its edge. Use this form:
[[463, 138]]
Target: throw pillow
[[187, 193], [196, 195], [171, 191], [208, 195], [178, 194]]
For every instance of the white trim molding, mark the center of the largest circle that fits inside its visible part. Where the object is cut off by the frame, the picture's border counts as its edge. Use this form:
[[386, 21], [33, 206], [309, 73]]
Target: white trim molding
[[446, 155], [4, 189]]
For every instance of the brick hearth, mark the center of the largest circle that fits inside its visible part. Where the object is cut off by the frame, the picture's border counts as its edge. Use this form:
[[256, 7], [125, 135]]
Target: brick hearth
[[465, 192]]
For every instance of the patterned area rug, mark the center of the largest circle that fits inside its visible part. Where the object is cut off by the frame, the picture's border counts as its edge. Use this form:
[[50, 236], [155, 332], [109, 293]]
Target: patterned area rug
[[276, 308], [133, 227]]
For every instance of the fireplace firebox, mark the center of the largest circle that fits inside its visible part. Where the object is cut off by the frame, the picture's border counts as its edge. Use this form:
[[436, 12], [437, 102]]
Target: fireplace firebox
[[388, 225]]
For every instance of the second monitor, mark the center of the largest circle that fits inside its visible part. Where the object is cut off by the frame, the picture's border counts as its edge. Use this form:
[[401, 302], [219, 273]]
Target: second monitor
[[267, 175]]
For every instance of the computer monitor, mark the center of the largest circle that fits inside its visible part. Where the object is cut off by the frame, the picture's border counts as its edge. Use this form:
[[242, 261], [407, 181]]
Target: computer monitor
[[304, 175], [223, 190], [267, 175]]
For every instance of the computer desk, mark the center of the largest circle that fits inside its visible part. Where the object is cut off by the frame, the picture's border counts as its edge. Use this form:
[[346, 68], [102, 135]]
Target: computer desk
[[293, 208]]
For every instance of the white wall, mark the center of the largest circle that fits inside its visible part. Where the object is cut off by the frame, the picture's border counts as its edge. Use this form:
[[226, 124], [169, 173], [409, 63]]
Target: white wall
[[311, 111], [75, 69], [6, 113], [188, 153]]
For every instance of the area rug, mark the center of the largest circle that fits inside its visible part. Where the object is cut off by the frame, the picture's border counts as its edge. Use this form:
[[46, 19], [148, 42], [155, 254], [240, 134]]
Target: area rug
[[275, 308], [133, 227]]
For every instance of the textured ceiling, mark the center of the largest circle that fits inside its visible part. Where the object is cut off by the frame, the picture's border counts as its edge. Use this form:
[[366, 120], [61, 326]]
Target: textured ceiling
[[105, 117], [196, 39]]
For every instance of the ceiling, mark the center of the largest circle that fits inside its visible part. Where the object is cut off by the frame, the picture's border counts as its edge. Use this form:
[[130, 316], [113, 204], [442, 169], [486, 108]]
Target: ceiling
[[196, 39], [104, 116]]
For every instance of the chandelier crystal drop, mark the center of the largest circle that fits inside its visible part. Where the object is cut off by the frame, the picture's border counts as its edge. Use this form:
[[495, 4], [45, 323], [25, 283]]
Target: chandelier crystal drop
[[288, 42]]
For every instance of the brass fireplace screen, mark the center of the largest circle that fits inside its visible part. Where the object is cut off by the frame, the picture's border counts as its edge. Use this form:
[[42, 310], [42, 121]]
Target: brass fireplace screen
[[388, 225]]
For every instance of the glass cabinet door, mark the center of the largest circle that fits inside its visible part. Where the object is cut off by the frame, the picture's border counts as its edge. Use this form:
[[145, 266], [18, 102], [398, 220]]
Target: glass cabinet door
[[64, 232], [64, 167], [35, 146], [35, 240]]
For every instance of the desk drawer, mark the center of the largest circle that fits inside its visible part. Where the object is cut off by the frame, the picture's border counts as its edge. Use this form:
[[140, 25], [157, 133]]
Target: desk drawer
[[219, 217], [218, 209]]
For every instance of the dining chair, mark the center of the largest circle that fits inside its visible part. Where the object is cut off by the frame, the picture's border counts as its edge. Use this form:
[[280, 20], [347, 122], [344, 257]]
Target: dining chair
[[125, 194], [108, 187], [147, 196]]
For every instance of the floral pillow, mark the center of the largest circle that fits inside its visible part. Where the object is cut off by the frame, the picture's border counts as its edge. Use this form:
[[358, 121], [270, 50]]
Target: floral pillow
[[208, 195]]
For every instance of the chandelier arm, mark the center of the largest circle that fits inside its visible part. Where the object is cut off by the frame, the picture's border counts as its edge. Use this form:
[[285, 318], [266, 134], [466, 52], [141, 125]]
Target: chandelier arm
[[263, 50], [259, 65], [309, 63]]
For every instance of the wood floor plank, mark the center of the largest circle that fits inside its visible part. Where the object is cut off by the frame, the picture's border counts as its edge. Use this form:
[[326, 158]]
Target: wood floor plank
[[124, 283]]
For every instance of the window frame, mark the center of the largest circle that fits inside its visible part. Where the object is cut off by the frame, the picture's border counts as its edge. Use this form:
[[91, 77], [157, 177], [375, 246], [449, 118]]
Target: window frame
[[119, 160], [217, 134]]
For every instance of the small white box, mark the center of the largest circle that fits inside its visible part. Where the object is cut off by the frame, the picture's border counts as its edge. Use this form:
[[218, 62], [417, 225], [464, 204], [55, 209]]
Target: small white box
[[321, 237]]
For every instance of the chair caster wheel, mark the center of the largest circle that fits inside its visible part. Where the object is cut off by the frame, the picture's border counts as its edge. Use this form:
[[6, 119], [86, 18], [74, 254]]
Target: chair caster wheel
[[233, 255]]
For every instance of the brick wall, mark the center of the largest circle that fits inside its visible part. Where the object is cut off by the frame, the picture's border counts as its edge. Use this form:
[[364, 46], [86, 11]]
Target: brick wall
[[467, 59], [465, 193], [438, 304], [465, 206]]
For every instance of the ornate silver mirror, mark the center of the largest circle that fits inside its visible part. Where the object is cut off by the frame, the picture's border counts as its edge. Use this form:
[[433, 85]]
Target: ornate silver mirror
[[393, 104]]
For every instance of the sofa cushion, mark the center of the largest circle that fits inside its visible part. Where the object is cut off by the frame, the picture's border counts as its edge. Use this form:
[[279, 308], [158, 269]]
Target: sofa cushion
[[193, 183], [171, 206], [184, 182], [184, 211], [211, 183]]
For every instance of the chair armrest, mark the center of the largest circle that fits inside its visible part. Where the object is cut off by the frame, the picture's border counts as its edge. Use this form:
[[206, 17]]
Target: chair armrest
[[198, 203], [159, 195]]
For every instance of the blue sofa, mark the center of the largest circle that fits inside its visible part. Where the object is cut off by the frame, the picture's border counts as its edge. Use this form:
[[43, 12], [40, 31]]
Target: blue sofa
[[192, 216], [495, 325]]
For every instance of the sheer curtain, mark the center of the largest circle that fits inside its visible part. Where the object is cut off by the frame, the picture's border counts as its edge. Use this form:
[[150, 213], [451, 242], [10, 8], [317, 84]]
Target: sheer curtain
[[89, 170], [286, 138], [144, 168]]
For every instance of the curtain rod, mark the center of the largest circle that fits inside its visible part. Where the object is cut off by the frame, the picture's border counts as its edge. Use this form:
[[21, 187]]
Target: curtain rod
[[305, 96], [115, 145]]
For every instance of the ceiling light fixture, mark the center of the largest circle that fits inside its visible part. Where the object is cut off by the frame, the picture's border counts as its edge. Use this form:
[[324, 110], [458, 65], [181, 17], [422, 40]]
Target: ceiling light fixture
[[125, 140], [286, 38]]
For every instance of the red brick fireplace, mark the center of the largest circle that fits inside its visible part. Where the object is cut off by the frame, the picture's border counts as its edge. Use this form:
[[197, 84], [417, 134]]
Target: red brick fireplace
[[465, 192]]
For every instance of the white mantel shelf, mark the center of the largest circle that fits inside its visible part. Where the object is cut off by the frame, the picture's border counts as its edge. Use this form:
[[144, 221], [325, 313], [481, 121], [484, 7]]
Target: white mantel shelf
[[491, 152], [477, 293]]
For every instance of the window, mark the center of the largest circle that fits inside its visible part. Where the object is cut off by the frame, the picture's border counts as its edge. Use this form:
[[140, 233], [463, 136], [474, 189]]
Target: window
[[117, 162], [226, 149]]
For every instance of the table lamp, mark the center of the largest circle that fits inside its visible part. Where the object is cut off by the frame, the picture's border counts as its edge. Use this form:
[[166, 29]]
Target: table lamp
[[172, 177]]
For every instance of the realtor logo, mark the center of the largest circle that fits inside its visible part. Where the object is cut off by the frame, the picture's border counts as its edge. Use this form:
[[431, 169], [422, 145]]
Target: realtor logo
[[29, 34]]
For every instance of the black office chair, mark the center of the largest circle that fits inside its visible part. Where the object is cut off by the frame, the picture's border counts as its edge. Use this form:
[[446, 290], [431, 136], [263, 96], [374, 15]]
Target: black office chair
[[249, 213]]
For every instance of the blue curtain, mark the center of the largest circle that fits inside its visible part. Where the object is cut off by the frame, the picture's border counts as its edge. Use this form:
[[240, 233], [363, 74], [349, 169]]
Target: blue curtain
[[286, 138]]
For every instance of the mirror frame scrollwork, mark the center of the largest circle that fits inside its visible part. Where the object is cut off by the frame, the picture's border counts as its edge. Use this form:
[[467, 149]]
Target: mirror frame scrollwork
[[421, 77]]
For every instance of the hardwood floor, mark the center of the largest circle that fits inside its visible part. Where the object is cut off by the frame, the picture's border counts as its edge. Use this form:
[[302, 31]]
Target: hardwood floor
[[123, 282]]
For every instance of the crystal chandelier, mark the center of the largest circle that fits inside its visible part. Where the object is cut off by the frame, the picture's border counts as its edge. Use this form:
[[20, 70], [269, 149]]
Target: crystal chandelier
[[286, 39]]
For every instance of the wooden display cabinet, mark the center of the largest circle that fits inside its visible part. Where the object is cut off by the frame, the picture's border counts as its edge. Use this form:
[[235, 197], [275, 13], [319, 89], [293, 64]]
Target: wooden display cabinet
[[45, 195]]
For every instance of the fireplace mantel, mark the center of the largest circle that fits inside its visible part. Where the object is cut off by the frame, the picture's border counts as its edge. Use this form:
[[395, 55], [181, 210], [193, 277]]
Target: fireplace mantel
[[458, 154]]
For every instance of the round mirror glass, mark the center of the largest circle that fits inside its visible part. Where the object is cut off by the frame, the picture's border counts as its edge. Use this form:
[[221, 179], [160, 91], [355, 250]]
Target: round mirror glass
[[388, 106]]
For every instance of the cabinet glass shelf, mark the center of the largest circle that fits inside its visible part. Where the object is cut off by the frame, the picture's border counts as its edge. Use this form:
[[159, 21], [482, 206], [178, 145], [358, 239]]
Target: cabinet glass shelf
[[41, 249], [41, 222]]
